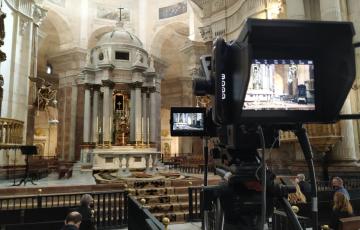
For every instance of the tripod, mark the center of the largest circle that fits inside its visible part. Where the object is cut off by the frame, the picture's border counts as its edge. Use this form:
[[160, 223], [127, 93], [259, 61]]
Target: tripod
[[27, 150]]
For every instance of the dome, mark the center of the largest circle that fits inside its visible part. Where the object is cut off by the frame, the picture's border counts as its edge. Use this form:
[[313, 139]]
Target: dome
[[119, 36]]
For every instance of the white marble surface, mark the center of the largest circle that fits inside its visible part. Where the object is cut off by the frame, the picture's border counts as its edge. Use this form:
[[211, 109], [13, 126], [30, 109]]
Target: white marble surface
[[52, 181]]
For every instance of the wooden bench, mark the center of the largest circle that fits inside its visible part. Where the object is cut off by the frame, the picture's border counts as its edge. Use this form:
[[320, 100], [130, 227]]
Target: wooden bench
[[36, 226], [350, 223]]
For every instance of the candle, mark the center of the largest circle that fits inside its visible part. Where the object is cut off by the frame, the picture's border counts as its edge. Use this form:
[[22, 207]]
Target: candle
[[123, 138]]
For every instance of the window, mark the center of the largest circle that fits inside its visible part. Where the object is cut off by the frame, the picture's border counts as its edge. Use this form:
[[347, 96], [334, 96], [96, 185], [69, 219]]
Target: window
[[49, 68], [120, 55]]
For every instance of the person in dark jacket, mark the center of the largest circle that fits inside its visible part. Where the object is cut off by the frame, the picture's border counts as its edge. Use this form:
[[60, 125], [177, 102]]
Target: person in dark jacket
[[87, 213], [72, 221], [342, 208], [305, 187]]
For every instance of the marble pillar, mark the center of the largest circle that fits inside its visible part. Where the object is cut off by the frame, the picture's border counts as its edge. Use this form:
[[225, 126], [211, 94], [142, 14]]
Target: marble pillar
[[295, 9], [138, 113], [144, 114], [132, 113], [345, 151], [108, 86], [72, 136], [95, 116], [353, 9], [87, 114], [152, 114]]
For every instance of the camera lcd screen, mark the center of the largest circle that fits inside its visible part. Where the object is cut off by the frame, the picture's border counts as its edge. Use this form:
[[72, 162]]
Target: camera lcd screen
[[277, 84], [187, 121]]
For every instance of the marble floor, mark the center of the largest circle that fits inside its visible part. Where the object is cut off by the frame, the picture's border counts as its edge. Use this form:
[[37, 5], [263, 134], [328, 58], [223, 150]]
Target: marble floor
[[186, 226], [52, 180]]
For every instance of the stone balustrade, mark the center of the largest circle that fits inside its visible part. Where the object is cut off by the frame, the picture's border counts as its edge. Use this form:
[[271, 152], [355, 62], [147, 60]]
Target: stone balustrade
[[322, 136], [11, 132]]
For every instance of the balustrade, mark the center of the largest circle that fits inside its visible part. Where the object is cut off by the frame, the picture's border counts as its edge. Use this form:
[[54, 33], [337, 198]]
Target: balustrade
[[11, 132]]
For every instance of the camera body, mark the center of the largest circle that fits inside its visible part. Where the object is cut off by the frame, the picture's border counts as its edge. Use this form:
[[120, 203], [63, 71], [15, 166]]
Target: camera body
[[277, 75]]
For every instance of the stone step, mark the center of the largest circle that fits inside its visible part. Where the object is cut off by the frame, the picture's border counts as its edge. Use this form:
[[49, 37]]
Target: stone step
[[163, 199], [158, 191], [171, 207], [175, 217]]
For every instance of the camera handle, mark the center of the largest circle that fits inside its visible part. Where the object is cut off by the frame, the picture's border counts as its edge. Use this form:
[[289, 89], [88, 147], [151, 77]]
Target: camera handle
[[303, 139], [206, 159]]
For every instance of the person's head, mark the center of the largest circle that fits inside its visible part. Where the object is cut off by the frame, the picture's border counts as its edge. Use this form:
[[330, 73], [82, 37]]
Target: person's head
[[73, 218], [342, 203], [337, 183], [297, 197], [301, 177], [86, 200]]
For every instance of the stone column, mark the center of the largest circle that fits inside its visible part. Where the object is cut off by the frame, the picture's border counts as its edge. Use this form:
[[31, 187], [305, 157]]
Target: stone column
[[72, 136], [138, 113], [346, 149], [95, 116], [295, 9], [152, 114], [108, 86], [147, 162], [354, 16], [144, 114], [132, 113], [87, 113]]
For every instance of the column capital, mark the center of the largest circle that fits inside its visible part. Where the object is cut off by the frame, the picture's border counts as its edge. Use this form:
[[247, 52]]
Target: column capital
[[96, 87], [87, 86], [152, 89], [108, 83], [135, 85]]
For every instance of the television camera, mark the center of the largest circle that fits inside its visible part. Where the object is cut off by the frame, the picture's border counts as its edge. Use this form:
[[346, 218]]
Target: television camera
[[278, 75]]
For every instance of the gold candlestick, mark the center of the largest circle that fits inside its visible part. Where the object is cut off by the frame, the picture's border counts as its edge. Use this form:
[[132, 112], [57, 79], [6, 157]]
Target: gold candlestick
[[123, 138], [148, 132]]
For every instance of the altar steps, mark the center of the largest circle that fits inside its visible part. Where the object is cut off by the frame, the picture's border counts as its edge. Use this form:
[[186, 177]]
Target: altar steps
[[169, 201]]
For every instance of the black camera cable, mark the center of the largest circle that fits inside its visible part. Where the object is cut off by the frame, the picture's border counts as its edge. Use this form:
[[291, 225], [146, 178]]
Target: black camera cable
[[263, 179]]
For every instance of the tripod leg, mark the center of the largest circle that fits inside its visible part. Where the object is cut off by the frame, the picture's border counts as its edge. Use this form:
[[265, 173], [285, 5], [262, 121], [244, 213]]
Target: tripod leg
[[291, 215]]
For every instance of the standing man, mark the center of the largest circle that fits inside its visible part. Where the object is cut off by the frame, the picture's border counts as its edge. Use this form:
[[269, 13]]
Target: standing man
[[305, 186]]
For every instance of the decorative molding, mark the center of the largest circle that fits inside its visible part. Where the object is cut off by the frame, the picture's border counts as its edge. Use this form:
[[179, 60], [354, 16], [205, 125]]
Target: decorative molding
[[39, 14], [23, 25], [206, 33], [173, 10]]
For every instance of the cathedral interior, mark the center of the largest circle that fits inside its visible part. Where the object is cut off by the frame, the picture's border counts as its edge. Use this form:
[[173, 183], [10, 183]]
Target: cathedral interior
[[91, 84]]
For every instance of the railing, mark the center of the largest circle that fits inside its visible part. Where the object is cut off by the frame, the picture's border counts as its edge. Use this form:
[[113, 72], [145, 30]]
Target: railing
[[11, 132], [280, 221], [348, 184], [195, 204], [141, 218], [110, 207]]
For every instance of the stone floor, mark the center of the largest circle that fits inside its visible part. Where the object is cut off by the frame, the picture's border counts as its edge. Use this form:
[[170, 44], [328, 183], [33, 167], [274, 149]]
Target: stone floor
[[186, 226]]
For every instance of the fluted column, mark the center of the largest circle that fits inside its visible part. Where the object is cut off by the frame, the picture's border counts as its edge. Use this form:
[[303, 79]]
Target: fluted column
[[144, 114], [138, 112], [295, 9], [72, 136], [152, 116], [95, 117], [346, 149], [87, 113], [108, 86], [132, 113]]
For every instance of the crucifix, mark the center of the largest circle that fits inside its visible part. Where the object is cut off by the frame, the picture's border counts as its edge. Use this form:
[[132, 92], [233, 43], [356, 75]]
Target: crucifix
[[120, 9]]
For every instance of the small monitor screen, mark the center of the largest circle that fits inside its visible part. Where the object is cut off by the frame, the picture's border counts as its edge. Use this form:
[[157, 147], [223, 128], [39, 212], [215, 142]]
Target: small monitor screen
[[277, 84], [188, 122]]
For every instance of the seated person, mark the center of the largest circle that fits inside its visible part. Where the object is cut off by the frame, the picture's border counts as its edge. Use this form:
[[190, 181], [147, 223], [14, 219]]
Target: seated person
[[72, 221], [297, 197], [341, 209]]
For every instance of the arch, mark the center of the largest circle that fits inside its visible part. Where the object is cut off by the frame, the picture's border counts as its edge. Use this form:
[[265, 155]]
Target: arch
[[61, 25], [97, 33], [165, 32]]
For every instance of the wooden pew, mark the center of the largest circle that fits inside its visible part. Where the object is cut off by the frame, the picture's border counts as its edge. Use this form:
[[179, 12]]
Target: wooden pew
[[350, 223]]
